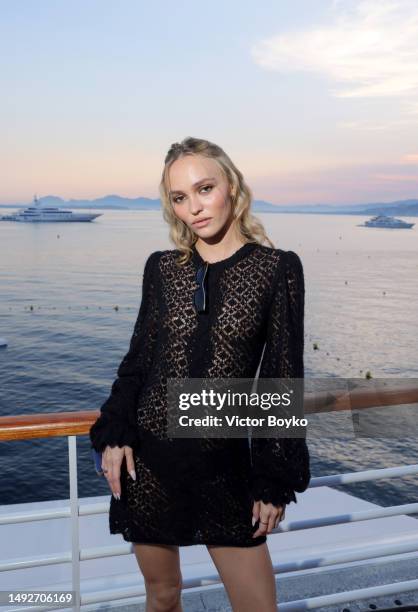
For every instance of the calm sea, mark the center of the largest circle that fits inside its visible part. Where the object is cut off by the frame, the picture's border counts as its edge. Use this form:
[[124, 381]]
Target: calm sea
[[62, 354]]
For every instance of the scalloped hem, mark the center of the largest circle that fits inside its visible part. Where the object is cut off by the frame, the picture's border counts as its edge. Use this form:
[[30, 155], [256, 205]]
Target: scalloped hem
[[257, 542]]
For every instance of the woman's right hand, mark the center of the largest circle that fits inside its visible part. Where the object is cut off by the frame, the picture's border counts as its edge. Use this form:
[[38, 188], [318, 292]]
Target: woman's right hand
[[112, 458]]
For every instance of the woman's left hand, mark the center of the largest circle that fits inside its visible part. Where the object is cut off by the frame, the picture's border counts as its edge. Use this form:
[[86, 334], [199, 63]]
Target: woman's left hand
[[268, 515]]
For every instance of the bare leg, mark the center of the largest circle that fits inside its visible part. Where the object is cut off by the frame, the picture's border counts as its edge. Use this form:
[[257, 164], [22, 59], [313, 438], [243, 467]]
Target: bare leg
[[248, 577], [160, 566]]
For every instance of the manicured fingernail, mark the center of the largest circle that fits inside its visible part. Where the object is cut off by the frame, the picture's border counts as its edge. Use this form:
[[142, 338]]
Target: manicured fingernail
[[132, 474], [116, 496], [253, 521]]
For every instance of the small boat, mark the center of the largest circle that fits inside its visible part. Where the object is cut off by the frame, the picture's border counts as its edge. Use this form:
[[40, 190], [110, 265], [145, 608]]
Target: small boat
[[42, 214], [386, 221]]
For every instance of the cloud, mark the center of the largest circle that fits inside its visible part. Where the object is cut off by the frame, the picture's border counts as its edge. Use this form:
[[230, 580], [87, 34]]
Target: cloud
[[370, 49], [374, 126], [349, 183], [396, 177], [410, 158]]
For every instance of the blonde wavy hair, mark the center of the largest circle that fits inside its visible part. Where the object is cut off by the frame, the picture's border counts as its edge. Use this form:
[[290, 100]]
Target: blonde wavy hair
[[248, 226]]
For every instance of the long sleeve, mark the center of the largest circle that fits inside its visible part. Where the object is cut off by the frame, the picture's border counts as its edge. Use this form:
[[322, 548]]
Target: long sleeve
[[281, 466], [116, 425]]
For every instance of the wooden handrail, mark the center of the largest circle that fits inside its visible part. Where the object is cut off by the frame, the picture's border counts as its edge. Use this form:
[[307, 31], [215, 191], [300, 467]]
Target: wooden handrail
[[359, 399], [46, 425], [50, 424]]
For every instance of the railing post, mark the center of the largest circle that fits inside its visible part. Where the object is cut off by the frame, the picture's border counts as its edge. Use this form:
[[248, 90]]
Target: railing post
[[75, 539]]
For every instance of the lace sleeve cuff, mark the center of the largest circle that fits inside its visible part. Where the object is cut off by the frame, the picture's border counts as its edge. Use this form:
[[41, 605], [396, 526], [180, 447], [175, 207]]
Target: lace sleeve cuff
[[281, 468], [269, 492], [111, 432]]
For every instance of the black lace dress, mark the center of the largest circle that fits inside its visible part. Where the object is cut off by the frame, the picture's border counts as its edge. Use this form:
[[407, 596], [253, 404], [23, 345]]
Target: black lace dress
[[201, 490]]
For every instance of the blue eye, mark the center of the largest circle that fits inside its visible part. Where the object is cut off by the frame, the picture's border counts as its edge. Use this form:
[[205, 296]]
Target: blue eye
[[176, 198]]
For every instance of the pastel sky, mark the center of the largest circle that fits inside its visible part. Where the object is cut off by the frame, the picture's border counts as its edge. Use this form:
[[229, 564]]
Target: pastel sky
[[316, 101]]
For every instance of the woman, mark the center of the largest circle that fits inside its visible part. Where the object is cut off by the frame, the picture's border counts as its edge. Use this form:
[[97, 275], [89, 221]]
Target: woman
[[208, 308]]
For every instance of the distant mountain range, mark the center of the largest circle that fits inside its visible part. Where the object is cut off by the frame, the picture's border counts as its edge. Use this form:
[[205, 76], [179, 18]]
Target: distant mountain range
[[406, 208]]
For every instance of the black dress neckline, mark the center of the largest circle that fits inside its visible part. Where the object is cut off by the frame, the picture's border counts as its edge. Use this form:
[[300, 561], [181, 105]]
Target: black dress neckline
[[239, 254]]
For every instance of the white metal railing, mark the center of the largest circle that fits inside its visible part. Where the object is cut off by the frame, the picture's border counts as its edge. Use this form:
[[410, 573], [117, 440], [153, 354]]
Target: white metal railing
[[369, 550]]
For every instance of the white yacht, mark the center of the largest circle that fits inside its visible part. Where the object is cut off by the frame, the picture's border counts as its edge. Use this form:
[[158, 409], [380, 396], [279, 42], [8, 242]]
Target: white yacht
[[386, 221], [43, 214]]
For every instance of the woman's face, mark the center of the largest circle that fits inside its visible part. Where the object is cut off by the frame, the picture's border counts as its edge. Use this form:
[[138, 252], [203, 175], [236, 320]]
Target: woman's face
[[199, 190]]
